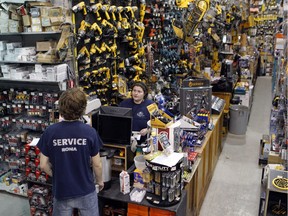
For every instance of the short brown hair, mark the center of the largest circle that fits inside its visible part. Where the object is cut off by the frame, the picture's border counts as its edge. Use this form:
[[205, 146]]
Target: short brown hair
[[143, 86], [72, 104]]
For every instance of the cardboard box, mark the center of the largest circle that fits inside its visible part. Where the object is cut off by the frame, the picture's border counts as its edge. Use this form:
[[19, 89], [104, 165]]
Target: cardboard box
[[14, 23], [3, 45], [36, 28], [36, 20], [274, 158], [26, 20], [15, 29], [55, 12], [44, 11], [13, 45], [4, 15], [138, 176], [55, 28], [155, 121], [44, 58], [56, 21], [173, 133], [45, 21], [35, 12], [45, 45], [15, 16], [4, 28], [2, 54]]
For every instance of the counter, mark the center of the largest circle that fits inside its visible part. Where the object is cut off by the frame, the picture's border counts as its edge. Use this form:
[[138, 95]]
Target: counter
[[208, 153], [195, 190], [114, 194]]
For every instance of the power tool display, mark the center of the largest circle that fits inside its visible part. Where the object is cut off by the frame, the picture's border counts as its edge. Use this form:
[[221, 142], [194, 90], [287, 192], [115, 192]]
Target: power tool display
[[109, 39], [157, 42]]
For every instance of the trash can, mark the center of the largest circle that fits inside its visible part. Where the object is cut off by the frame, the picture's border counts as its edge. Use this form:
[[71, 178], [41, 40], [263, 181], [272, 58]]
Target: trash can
[[238, 119]]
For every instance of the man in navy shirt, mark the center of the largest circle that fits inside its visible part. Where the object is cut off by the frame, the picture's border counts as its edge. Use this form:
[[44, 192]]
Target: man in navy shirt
[[139, 103], [67, 150]]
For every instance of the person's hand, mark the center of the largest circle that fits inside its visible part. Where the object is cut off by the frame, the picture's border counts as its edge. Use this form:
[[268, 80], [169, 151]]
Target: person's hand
[[144, 131], [101, 185]]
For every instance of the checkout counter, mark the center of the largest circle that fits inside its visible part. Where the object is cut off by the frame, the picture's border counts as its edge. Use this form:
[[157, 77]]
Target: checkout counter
[[192, 196], [113, 195]]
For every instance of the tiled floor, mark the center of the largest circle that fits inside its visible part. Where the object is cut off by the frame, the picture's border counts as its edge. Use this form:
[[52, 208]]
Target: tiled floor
[[235, 186]]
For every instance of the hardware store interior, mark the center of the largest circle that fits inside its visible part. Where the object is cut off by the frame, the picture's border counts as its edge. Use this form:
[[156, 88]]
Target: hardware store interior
[[214, 73]]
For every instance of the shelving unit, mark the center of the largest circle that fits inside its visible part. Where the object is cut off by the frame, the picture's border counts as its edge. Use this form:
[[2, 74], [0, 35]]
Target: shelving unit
[[275, 199], [126, 160], [19, 122]]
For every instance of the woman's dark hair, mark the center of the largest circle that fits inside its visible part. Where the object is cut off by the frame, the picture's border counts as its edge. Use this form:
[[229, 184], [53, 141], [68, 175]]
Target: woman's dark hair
[[143, 86], [72, 104]]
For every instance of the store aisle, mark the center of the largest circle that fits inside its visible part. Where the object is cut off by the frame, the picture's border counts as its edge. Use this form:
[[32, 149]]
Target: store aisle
[[11, 205], [235, 186]]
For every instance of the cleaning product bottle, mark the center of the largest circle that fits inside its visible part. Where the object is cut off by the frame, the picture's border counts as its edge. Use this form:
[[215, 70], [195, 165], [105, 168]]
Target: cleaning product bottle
[[154, 141]]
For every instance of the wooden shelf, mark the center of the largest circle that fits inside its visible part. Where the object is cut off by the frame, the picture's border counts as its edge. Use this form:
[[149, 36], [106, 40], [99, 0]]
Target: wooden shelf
[[120, 157], [118, 168]]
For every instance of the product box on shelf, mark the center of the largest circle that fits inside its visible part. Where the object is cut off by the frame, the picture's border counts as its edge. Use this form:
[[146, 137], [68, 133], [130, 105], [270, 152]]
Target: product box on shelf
[[159, 119], [172, 132], [3, 45], [45, 45], [26, 20]]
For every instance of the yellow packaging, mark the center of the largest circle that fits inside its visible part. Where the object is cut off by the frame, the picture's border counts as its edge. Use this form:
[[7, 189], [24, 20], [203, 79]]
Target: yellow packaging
[[156, 122]]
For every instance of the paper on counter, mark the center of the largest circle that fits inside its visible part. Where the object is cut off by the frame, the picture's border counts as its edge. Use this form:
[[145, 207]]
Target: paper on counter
[[169, 161]]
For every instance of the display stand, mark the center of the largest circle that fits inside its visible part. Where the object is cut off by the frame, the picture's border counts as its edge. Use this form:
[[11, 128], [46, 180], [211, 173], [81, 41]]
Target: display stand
[[276, 199], [161, 196]]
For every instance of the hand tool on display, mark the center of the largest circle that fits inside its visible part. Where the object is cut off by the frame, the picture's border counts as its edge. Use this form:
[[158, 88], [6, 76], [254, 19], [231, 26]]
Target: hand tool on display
[[93, 29], [82, 30], [83, 52], [81, 6], [119, 11], [142, 10], [105, 9], [95, 9], [109, 30], [85, 77], [195, 13], [95, 49], [140, 30], [130, 12], [112, 10]]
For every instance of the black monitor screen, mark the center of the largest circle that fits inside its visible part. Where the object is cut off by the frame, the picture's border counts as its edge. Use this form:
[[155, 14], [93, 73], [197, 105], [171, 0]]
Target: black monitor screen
[[116, 111], [114, 129], [114, 125]]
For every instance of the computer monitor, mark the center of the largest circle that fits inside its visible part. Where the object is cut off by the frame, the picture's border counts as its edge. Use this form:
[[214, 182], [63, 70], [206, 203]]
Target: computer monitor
[[114, 125]]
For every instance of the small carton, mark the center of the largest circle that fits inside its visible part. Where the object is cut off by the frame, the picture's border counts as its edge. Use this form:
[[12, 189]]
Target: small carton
[[124, 182], [138, 176], [26, 20], [45, 45]]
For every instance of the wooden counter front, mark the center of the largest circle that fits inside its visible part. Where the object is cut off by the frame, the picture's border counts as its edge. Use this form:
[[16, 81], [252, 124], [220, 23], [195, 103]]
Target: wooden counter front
[[209, 153]]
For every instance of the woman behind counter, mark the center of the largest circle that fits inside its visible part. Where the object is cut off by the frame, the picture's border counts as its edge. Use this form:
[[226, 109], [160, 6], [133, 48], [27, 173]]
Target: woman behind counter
[[139, 103]]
